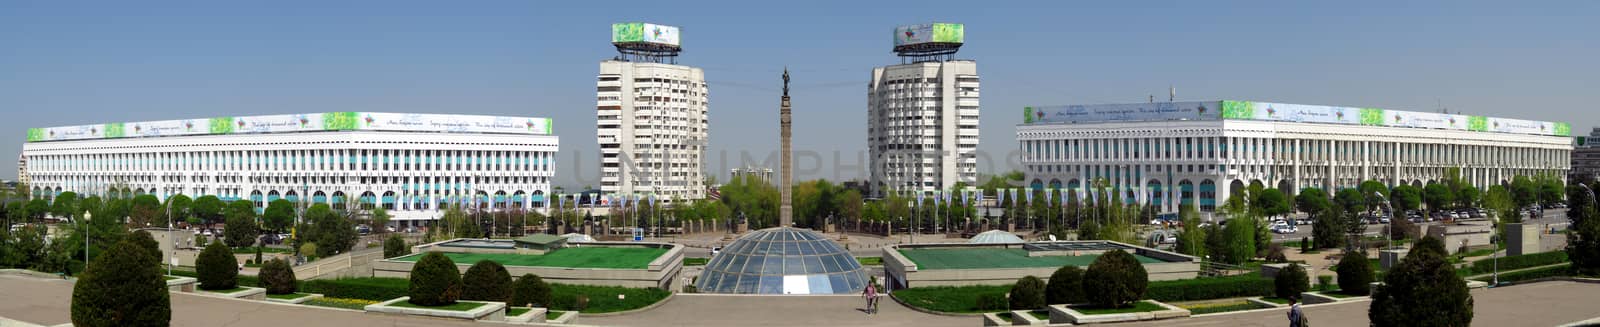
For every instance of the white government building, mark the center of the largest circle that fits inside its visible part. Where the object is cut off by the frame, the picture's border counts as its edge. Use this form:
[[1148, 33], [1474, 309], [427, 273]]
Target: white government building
[[922, 115], [651, 119], [411, 164], [1167, 153]]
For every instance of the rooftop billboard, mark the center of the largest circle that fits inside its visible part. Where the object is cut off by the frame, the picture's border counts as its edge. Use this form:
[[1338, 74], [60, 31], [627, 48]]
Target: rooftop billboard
[[930, 33], [1299, 113], [644, 33], [331, 121]]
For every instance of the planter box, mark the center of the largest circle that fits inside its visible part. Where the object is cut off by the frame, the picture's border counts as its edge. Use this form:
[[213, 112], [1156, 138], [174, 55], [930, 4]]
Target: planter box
[[1023, 318], [181, 284], [297, 300], [534, 315], [1061, 313], [992, 319], [249, 293], [487, 311], [567, 317]]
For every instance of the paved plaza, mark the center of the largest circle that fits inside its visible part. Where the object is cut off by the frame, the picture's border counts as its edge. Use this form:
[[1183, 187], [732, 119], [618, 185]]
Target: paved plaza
[[46, 302]]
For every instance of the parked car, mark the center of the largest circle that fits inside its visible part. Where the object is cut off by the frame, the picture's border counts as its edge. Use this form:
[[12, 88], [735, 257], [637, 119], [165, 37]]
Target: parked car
[[1284, 229]]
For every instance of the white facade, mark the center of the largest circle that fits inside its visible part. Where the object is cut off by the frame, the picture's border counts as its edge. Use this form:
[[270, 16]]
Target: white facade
[[22, 169], [652, 129], [1203, 162], [413, 174], [922, 126]]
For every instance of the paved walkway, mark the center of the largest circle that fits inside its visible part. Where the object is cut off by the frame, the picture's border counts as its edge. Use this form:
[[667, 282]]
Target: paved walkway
[[47, 302], [1537, 304], [740, 310]]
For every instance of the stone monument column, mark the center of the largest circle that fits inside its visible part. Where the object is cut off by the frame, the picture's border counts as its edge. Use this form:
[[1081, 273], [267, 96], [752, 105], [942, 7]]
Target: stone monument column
[[786, 210]]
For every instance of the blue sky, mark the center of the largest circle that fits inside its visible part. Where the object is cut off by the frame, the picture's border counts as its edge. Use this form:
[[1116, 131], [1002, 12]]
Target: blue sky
[[70, 62]]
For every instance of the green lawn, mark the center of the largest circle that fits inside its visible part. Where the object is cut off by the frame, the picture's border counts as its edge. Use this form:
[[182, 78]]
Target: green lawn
[[1220, 308], [1140, 306], [1041, 315], [289, 296], [458, 306], [955, 299], [695, 261], [997, 258], [1277, 300], [352, 304], [577, 257], [170, 277], [513, 312], [552, 315], [1004, 316], [870, 261]]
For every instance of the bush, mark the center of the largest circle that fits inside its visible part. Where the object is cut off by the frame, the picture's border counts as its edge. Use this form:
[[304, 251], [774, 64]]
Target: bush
[[1275, 254], [217, 267], [1530, 274], [1291, 281], [1325, 283], [122, 287], [530, 290], [1027, 294], [148, 243], [1423, 287], [1114, 279], [1066, 286], [258, 255], [1305, 244], [1210, 288], [308, 249], [991, 302], [1355, 274], [486, 281], [395, 247], [277, 277], [434, 281]]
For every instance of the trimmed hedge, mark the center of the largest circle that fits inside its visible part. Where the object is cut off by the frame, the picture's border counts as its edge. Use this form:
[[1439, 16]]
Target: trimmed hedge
[[956, 299], [486, 281], [1027, 294], [277, 277], [529, 290], [1531, 274], [1251, 284], [217, 268], [1115, 279], [1065, 287], [1486, 266], [1290, 282], [122, 287], [434, 281], [563, 296]]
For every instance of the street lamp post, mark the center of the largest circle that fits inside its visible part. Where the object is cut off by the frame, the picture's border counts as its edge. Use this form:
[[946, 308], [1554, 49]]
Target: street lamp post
[[1385, 202]]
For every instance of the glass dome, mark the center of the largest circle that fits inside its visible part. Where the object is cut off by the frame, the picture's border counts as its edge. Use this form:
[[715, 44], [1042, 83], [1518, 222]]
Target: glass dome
[[783, 260]]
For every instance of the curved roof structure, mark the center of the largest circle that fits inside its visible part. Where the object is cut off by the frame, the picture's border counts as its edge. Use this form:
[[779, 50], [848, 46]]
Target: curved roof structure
[[783, 260], [576, 237], [995, 236]]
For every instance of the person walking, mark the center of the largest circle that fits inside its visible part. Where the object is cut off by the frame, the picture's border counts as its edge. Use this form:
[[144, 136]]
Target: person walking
[[871, 294], [1297, 318]]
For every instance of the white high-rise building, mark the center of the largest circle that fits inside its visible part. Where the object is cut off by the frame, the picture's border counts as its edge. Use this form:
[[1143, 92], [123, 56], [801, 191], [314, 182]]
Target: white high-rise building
[[922, 116], [652, 122]]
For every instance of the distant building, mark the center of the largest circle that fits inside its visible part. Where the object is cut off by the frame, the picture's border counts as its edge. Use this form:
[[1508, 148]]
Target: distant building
[[762, 174], [22, 169], [1586, 157], [1202, 152], [414, 165]]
